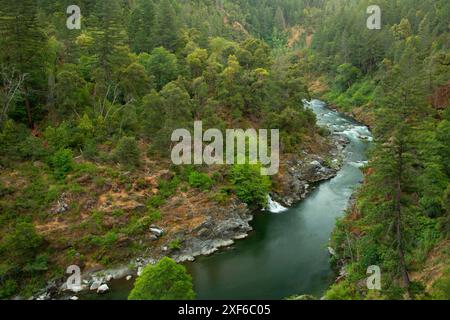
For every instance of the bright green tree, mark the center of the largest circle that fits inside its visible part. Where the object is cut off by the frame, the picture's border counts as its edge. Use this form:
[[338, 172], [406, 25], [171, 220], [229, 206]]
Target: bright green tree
[[166, 280], [163, 66]]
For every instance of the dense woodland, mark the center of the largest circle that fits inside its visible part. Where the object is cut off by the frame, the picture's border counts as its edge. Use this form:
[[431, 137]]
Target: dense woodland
[[103, 100]]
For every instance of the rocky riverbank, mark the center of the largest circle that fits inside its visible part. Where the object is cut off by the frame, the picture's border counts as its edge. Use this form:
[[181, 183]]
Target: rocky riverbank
[[198, 226], [302, 172]]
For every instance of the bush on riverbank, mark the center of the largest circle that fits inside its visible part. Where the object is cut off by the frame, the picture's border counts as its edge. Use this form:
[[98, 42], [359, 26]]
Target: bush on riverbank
[[166, 280], [249, 185]]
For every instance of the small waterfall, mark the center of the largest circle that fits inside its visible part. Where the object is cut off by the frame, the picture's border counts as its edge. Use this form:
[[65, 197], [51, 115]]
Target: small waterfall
[[274, 207]]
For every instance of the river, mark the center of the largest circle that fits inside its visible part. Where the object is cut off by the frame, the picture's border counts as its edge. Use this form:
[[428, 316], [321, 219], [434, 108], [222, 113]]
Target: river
[[287, 253]]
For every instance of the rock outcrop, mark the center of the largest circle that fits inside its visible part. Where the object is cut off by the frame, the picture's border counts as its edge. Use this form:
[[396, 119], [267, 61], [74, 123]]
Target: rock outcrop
[[302, 172]]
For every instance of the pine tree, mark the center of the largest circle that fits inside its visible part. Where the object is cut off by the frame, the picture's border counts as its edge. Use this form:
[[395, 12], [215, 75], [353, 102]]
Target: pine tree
[[22, 48], [141, 28], [109, 35], [402, 104], [280, 21], [167, 26]]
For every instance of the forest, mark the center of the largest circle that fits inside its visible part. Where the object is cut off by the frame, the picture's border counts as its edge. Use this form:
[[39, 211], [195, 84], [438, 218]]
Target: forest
[[86, 118]]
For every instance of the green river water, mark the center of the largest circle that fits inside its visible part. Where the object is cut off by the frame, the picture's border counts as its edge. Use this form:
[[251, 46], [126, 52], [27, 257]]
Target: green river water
[[287, 253]]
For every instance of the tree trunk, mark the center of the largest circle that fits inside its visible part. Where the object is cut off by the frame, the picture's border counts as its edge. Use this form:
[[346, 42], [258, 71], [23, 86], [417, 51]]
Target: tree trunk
[[398, 212], [28, 108]]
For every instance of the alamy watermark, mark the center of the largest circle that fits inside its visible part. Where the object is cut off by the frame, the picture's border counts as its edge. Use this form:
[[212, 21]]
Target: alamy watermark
[[374, 20], [374, 280], [74, 20], [249, 146], [74, 280]]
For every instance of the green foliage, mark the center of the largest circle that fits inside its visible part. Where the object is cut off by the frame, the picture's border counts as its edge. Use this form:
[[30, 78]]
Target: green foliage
[[249, 185], [59, 137], [175, 244], [22, 243], [222, 197], [156, 201], [61, 163], [358, 94], [200, 180], [167, 188], [293, 125], [166, 280], [340, 291], [441, 288], [32, 148], [127, 152], [8, 288], [346, 76], [22, 257], [144, 68], [70, 92], [154, 215], [134, 81], [162, 65], [107, 240]]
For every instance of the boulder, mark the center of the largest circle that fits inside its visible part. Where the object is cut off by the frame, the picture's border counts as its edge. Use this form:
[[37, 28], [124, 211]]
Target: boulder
[[316, 164], [75, 288], [331, 251], [95, 285], [156, 231], [103, 288], [61, 205]]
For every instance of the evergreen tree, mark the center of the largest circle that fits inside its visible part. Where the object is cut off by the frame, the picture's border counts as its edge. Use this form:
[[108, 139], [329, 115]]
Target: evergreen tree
[[402, 104], [141, 27], [109, 36], [23, 48], [280, 21], [167, 26]]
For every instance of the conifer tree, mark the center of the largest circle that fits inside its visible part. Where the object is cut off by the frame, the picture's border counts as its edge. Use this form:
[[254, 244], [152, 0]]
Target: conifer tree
[[167, 26], [23, 47], [141, 28], [109, 35]]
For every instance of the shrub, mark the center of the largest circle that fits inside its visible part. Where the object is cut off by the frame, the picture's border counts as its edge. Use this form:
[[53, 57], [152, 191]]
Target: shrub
[[175, 244], [155, 201], [22, 244], [441, 287], [137, 226], [200, 180], [32, 148], [7, 288], [106, 240], [167, 189], [339, 291], [61, 163], [154, 215], [127, 152], [59, 137], [220, 197], [166, 280], [250, 186], [90, 151]]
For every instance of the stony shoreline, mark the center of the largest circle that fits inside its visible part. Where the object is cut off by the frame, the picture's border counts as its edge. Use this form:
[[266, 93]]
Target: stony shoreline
[[223, 226]]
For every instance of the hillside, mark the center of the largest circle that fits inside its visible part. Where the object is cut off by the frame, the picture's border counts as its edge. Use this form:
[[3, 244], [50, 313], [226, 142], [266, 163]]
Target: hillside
[[87, 116]]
